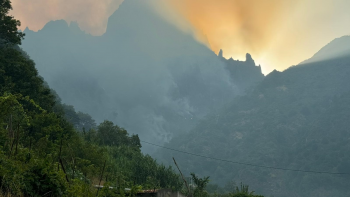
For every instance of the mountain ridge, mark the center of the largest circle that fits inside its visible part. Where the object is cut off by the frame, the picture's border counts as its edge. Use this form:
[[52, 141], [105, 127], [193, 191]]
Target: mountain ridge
[[336, 48]]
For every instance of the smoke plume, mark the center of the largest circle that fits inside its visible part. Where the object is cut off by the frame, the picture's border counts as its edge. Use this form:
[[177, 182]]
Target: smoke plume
[[277, 33]]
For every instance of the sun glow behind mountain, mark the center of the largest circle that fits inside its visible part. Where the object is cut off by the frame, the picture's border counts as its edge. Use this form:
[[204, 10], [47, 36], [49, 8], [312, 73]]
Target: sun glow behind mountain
[[277, 33]]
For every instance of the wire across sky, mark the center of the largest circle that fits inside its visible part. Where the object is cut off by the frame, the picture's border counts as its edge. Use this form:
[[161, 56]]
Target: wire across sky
[[248, 164]]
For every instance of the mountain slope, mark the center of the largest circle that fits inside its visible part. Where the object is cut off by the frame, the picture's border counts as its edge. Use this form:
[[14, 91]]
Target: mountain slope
[[293, 119], [143, 73], [337, 48]]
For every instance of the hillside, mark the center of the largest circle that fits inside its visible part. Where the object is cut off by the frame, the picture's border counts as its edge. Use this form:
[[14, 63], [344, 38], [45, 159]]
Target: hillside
[[143, 73], [42, 154], [293, 119]]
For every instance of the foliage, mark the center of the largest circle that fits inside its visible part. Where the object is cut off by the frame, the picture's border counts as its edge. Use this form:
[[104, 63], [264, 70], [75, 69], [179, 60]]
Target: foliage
[[202, 189], [112, 135], [18, 75], [8, 25], [42, 154], [201, 184], [243, 191], [81, 121], [48, 149]]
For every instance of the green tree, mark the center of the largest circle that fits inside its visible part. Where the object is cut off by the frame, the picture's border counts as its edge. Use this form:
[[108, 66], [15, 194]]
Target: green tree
[[201, 184], [243, 191], [80, 120], [9, 33], [18, 75], [113, 135]]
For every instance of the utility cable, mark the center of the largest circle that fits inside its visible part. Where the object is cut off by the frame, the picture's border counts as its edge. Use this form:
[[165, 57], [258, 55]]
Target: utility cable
[[248, 164]]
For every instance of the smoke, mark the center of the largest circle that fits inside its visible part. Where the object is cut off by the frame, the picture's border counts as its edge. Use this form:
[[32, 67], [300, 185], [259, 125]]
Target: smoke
[[277, 33], [237, 26], [241, 25], [91, 15]]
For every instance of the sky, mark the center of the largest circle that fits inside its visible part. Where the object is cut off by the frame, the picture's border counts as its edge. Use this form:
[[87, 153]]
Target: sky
[[278, 34]]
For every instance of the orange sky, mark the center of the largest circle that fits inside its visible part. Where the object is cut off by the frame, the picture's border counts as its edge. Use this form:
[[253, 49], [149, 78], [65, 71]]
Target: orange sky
[[278, 33], [92, 15]]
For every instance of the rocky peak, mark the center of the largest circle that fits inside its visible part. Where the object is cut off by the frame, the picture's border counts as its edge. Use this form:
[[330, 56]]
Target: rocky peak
[[249, 59], [220, 54]]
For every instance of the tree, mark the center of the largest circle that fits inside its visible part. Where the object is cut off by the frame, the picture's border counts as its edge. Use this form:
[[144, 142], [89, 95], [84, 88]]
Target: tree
[[201, 184], [112, 135], [19, 75], [81, 121], [243, 191], [9, 33]]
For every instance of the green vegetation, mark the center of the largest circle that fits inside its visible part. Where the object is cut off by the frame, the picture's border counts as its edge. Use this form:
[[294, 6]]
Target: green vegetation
[[47, 149], [8, 25], [202, 188], [41, 152], [243, 191], [201, 184]]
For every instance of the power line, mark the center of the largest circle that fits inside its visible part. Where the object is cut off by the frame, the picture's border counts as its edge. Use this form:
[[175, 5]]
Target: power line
[[249, 164]]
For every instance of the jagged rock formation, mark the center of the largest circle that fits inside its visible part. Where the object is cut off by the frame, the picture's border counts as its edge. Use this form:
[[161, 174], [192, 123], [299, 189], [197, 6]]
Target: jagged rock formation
[[221, 55], [243, 73]]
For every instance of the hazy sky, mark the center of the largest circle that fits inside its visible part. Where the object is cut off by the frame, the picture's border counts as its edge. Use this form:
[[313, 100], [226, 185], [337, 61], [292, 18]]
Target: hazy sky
[[278, 33]]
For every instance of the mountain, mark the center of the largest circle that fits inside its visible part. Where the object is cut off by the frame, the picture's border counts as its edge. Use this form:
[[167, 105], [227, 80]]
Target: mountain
[[295, 119], [337, 48], [143, 74]]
